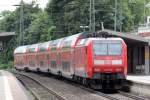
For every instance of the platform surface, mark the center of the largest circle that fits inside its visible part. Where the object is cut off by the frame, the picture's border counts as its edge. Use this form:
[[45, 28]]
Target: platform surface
[[145, 79], [11, 88]]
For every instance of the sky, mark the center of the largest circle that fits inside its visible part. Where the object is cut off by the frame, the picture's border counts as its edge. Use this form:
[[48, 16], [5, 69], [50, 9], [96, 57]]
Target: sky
[[8, 4]]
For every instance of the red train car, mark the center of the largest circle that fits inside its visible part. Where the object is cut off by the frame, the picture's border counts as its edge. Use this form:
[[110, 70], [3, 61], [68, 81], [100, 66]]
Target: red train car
[[32, 59], [55, 62], [67, 55], [20, 57], [98, 62], [43, 56]]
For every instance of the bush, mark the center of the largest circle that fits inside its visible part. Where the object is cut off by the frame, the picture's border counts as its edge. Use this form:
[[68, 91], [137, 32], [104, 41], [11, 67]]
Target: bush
[[9, 65], [3, 66]]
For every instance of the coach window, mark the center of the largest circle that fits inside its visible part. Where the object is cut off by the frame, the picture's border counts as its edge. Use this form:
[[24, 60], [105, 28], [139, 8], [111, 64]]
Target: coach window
[[67, 43], [41, 63], [42, 49], [37, 57], [53, 46]]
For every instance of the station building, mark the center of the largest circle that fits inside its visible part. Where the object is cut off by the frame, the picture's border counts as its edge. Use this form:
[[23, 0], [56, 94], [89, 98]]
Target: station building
[[5, 37], [144, 32]]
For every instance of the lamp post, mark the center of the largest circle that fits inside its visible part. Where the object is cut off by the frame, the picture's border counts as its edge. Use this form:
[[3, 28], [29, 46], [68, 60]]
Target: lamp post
[[146, 6], [21, 30], [115, 23], [92, 16]]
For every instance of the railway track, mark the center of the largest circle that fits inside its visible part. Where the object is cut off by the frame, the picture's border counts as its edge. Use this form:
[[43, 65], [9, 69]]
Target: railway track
[[119, 95], [135, 97], [38, 89], [24, 76], [126, 96], [111, 96]]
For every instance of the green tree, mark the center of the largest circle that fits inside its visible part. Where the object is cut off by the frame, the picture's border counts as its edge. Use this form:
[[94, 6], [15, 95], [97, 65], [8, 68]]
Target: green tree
[[10, 22], [41, 28], [68, 15]]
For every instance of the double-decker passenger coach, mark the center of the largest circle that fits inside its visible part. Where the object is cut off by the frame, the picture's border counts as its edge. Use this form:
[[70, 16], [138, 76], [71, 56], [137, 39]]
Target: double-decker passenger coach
[[20, 57]]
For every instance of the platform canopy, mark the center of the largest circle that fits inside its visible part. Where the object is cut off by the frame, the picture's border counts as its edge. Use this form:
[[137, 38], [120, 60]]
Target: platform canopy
[[6, 36], [129, 38]]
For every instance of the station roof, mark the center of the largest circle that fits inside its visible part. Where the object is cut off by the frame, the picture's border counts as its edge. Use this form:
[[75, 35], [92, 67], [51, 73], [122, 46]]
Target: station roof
[[6, 36], [128, 37]]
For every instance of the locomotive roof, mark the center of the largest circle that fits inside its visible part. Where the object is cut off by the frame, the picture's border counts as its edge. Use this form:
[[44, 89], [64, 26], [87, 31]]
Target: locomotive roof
[[21, 49], [106, 38], [85, 41]]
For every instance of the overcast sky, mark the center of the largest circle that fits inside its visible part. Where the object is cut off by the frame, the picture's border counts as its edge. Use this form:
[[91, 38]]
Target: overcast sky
[[8, 4]]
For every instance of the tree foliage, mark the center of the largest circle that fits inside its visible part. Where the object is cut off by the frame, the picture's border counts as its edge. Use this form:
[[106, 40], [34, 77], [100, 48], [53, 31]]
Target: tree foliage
[[37, 27], [69, 15], [40, 29]]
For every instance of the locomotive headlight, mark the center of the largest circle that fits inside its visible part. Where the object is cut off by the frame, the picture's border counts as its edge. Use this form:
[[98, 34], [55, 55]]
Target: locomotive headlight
[[99, 62], [116, 62]]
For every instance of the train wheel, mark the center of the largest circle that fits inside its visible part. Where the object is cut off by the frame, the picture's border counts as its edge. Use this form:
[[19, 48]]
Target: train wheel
[[95, 84], [86, 82], [38, 69], [26, 69]]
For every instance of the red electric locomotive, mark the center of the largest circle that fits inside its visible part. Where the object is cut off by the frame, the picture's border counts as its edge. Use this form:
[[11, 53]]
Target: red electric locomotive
[[102, 62], [98, 62]]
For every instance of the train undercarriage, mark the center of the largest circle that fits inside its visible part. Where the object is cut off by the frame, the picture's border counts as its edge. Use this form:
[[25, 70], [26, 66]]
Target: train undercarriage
[[103, 81]]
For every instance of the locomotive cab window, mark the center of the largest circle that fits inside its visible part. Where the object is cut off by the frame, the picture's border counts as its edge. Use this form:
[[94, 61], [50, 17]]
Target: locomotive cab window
[[114, 49], [82, 42], [107, 48], [100, 48]]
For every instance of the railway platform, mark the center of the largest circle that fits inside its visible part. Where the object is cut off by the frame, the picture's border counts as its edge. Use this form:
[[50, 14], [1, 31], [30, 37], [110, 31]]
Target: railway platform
[[139, 84], [11, 88], [141, 79]]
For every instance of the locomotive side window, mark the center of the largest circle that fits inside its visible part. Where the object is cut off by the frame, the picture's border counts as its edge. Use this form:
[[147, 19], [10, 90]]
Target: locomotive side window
[[114, 49], [100, 48], [82, 42]]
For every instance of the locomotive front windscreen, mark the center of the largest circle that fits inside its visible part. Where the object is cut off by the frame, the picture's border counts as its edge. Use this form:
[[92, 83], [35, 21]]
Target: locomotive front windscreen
[[107, 48], [114, 49]]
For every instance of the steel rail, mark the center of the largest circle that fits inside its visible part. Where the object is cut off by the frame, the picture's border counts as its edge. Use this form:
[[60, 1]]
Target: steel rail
[[131, 96], [60, 97], [82, 87], [93, 91], [36, 97]]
